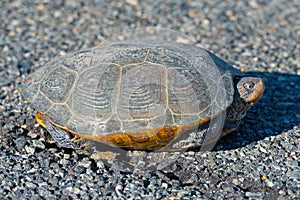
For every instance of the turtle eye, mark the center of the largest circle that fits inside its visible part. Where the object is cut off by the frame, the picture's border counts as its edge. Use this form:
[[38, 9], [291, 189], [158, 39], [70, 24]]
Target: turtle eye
[[249, 85]]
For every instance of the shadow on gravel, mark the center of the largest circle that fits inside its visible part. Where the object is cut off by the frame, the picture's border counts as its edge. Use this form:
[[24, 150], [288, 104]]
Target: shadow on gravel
[[278, 111]]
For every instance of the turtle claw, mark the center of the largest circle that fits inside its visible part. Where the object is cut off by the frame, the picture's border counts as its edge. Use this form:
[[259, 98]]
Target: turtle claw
[[82, 143], [77, 139], [86, 145]]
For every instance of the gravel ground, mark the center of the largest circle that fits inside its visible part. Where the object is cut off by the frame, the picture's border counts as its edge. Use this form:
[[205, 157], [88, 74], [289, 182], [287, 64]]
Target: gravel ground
[[259, 161]]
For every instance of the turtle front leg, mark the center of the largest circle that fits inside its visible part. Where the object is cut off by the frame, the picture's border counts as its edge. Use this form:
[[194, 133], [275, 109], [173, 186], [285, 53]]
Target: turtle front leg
[[203, 139], [61, 137]]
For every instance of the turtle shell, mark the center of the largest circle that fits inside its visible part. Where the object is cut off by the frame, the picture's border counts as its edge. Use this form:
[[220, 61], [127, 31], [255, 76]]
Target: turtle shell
[[135, 95]]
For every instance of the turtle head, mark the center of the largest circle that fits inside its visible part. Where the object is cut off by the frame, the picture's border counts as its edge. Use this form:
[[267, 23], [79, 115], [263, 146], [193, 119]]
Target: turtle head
[[248, 91]]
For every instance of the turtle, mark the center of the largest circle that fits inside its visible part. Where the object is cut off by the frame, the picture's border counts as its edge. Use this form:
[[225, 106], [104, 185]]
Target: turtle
[[141, 95]]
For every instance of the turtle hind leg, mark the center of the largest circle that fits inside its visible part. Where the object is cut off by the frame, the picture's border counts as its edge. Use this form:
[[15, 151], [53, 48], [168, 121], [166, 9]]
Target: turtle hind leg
[[202, 139], [61, 137]]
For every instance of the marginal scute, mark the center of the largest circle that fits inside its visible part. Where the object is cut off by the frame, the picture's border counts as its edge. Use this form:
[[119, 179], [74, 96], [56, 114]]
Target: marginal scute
[[81, 126], [222, 65], [169, 56], [227, 80], [139, 137], [121, 54], [186, 119], [224, 92], [57, 84], [42, 103], [121, 140], [131, 126], [42, 72], [165, 135], [59, 114], [30, 92], [162, 120], [79, 61], [113, 125]]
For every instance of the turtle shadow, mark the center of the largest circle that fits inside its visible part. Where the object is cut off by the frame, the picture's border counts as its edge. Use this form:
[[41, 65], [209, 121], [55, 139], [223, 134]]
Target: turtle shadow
[[277, 111]]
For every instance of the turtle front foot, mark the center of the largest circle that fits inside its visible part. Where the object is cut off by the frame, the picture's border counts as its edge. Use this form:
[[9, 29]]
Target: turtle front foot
[[61, 137], [82, 143], [85, 146], [77, 139]]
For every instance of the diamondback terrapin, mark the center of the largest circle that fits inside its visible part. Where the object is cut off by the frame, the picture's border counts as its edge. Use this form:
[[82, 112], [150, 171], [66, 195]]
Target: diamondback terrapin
[[140, 95]]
